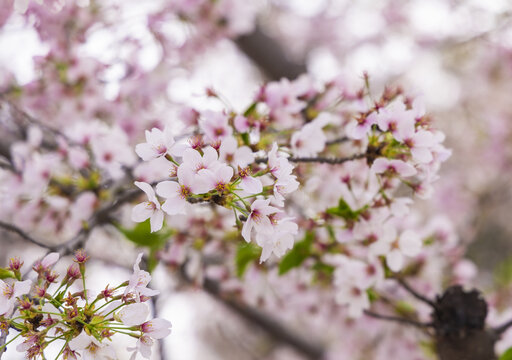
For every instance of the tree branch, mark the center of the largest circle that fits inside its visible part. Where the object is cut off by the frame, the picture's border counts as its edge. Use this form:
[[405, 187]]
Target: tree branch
[[14, 229], [269, 56], [320, 160], [3, 340], [416, 294], [398, 319], [502, 328]]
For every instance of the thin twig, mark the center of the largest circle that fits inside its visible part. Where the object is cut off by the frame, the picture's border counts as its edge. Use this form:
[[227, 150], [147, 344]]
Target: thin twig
[[320, 160], [271, 326], [337, 141], [398, 319], [502, 328], [24, 235], [3, 340], [416, 294]]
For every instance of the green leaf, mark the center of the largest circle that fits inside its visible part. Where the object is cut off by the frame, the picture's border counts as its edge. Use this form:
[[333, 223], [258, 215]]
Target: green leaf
[[141, 235], [245, 139], [245, 254], [507, 355], [372, 295], [503, 272], [6, 274], [251, 109], [344, 210], [298, 254]]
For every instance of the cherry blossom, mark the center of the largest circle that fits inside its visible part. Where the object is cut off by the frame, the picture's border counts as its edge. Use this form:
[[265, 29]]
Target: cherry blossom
[[398, 167], [139, 281], [230, 153], [177, 193], [158, 143], [149, 209], [258, 219], [91, 349], [10, 292], [280, 240]]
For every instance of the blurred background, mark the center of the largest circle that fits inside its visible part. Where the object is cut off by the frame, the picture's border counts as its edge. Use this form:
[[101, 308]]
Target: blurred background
[[159, 56]]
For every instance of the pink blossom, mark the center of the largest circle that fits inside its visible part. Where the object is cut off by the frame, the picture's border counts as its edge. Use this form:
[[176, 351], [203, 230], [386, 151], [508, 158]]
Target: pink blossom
[[280, 239], [359, 127], [90, 348], [278, 165], [249, 184], [9, 293], [408, 244], [215, 126], [398, 167], [152, 330], [193, 160], [158, 143], [177, 193], [148, 209], [232, 154], [258, 219], [139, 281], [283, 186], [133, 314], [218, 178], [396, 119], [310, 139]]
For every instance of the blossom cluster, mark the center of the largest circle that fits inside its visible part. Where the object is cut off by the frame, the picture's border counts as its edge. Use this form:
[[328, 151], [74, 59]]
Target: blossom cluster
[[216, 168], [47, 311], [350, 208]]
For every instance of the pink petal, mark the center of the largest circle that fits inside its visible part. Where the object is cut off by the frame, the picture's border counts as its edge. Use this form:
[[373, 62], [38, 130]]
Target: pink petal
[[168, 189], [141, 212], [156, 221], [174, 206], [251, 185]]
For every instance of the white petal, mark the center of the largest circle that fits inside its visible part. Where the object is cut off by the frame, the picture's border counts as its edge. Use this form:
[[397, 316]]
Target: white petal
[[160, 328], [174, 206], [251, 185], [133, 314], [80, 342], [50, 259], [21, 6], [268, 247], [395, 260], [147, 189], [168, 189], [156, 221], [141, 212], [422, 155], [410, 243], [22, 288], [145, 151], [246, 230]]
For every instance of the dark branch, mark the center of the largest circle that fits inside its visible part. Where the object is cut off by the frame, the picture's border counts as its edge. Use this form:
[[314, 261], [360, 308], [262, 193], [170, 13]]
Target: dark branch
[[398, 319], [275, 329], [24, 235], [320, 160], [502, 328], [3, 340], [269, 56], [337, 141], [416, 294]]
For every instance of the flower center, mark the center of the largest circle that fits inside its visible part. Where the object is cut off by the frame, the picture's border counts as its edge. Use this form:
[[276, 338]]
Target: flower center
[[184, 191]]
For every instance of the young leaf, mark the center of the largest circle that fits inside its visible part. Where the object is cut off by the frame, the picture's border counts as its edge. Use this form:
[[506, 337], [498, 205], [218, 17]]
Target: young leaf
[[5, 274], [343, 210], [507, 355], [245, 254], [298, 254]]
